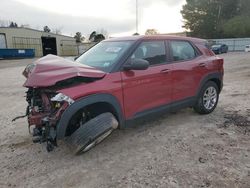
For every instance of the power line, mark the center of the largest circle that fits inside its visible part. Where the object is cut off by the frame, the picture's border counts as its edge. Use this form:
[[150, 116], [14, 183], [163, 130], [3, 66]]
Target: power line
[[136, 16]]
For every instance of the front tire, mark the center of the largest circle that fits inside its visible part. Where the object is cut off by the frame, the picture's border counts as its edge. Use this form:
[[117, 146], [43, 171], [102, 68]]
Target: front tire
[[91, 133], [208, 98]]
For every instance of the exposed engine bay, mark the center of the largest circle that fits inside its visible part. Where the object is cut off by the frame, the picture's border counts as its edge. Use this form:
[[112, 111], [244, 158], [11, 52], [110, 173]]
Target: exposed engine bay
[[44, 109]]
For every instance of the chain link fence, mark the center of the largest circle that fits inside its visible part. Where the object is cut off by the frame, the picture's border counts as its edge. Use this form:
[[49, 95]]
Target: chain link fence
[[234, 44]]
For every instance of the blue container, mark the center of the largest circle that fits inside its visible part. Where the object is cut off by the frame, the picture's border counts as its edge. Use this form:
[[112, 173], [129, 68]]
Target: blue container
[[17, 53]]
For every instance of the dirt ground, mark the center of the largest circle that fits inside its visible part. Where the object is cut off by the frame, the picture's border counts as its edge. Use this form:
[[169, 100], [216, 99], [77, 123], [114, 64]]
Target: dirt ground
[[181, 149]]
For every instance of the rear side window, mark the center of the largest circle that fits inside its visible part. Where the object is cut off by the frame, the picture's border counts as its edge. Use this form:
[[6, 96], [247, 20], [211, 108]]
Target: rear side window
[[152, 51], [182, 50]]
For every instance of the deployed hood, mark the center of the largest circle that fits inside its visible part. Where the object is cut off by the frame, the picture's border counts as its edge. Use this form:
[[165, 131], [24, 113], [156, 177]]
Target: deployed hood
[[49, 70]]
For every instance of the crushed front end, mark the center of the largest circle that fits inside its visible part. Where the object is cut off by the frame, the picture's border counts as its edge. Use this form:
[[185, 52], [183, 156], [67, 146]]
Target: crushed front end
[[44, 110], [44, 79]]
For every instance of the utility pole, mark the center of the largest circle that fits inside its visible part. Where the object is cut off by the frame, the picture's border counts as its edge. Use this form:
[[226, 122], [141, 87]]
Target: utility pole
[[136, 16]]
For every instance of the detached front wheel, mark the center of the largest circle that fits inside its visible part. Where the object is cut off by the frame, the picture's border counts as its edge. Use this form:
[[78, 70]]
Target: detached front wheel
[[207, 99], [92, 133]]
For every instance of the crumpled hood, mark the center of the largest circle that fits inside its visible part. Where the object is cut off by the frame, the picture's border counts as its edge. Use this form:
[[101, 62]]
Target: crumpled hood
[[49, 70]]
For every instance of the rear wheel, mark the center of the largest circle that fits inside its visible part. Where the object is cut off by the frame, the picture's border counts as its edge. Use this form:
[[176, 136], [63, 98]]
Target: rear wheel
[[208, 98], [92, 133]]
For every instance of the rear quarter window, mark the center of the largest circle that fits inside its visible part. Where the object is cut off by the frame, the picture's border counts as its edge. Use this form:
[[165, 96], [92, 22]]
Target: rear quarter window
[[182, 50]]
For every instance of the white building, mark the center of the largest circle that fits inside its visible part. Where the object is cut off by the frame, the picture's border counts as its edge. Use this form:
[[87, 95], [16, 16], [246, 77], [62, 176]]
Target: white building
[[43, 42]]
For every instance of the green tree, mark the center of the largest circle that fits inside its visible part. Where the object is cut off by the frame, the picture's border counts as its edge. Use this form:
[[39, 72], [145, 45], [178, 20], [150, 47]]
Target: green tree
[[239, 26], [13, 24], [92, 36], [96, 37], [78, 36], [151, 32], [243, 8], [204, 18], [46, 29], [99, 37]]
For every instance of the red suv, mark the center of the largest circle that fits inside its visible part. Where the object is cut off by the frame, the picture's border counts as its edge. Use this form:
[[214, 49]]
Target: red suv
[[117, 81]]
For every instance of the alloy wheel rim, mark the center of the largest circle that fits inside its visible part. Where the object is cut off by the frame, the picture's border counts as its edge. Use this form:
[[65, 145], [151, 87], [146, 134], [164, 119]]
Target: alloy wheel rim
[[210, 98]]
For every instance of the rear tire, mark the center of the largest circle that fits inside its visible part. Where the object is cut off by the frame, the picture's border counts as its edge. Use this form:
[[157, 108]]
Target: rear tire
[[208, 98], [92, 133]]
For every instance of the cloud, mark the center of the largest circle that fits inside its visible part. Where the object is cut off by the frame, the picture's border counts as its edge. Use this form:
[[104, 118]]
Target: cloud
[[37, 18], [142, 4], [88, 15], [146, 3]]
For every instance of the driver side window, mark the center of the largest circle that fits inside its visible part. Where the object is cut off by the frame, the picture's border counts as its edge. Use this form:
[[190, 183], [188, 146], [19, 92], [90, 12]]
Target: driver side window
[[152, 51]]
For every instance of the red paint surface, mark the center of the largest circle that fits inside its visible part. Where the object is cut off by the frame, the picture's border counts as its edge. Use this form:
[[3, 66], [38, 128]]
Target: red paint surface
[[51, 69]]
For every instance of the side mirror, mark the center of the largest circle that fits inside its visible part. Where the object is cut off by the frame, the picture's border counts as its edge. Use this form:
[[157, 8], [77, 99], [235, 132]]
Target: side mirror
[[136, 64]]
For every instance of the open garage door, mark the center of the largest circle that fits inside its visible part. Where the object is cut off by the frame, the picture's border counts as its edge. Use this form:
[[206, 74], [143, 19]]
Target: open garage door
[[49, 45]]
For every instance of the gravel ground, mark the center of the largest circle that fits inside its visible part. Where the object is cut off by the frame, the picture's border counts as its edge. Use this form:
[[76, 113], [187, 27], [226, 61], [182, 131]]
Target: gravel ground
[[181, 149]]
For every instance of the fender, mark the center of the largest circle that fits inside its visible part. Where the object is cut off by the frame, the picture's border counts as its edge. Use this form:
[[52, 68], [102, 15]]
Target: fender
[[81, 103], [216, 75]]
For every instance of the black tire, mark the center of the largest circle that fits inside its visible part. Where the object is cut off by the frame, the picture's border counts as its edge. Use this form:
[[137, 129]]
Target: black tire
[[97, 128], [202, 108]]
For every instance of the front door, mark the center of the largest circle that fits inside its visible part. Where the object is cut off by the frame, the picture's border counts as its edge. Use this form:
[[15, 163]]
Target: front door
[[146, 89]]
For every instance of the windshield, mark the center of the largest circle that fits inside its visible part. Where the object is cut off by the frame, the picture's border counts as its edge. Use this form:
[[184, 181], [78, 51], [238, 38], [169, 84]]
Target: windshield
[[104, 55]]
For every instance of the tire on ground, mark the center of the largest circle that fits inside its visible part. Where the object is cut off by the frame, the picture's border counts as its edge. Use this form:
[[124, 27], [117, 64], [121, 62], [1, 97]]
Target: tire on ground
[[199, 106], [91, 131]]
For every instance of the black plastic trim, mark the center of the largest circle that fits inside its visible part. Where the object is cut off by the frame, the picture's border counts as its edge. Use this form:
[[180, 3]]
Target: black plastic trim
[[211, 76], [168, 107], [81, 103], [163, 109]]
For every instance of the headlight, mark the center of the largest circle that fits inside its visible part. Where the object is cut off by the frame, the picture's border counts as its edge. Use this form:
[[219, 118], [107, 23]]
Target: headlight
[[28, 69], [61, 97]]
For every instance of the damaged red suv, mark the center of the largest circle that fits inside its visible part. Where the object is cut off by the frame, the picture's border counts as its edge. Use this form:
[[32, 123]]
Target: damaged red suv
[[115, 82]]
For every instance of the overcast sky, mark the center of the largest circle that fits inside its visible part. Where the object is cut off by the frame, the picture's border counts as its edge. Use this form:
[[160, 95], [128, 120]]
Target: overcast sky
[[117, 17]]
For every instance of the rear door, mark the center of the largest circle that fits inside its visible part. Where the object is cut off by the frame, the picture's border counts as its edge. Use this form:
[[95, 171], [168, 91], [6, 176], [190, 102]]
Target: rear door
[[147, 89], [189, 67]]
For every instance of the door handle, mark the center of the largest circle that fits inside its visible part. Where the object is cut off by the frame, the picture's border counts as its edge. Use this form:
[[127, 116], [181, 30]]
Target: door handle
[[202, 65], [165, 71]]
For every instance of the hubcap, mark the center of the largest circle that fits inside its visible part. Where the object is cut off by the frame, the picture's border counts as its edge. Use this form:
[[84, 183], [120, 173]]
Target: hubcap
[[210, 98]]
